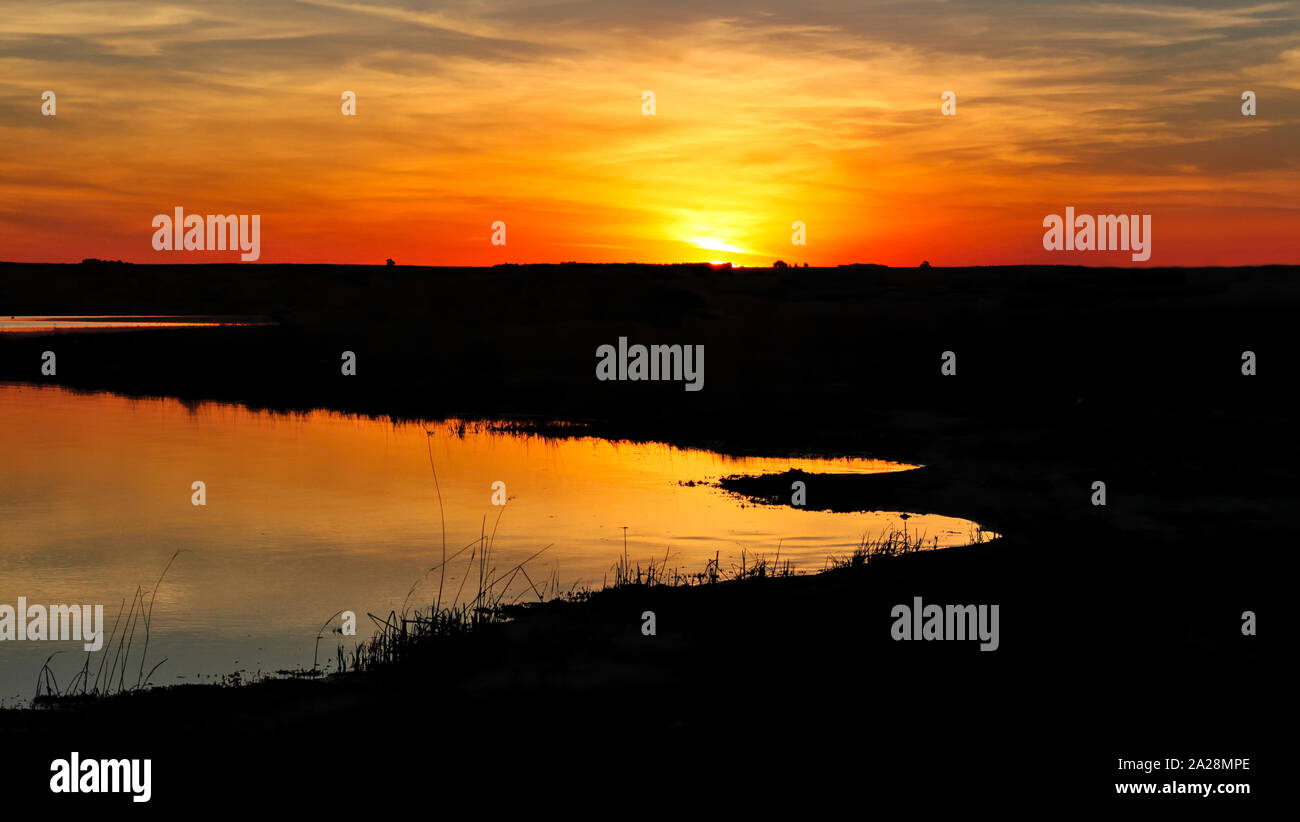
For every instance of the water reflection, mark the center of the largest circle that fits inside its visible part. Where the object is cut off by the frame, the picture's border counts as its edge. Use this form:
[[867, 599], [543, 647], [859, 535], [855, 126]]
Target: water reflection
[[45, 325], [309, 514]]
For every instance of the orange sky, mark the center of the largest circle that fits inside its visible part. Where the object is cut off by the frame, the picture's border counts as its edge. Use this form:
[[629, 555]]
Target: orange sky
[[767, 113]]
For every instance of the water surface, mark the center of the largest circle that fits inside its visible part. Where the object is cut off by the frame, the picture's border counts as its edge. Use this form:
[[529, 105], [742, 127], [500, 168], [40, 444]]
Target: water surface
[[33, 324], [310, 514]]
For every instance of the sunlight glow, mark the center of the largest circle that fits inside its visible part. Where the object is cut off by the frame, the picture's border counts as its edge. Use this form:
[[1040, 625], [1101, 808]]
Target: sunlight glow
[[710, 244]]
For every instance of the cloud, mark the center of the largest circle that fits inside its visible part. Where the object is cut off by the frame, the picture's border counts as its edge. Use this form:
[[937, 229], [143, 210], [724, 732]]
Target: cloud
[[767, 112]]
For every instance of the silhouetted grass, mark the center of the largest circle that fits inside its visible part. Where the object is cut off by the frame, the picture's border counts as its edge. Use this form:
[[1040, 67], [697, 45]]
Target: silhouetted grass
[[118, 646], [890, 543]]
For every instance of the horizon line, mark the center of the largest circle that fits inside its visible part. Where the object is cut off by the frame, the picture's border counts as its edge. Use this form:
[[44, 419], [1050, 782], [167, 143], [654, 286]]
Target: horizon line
[[717, 266]]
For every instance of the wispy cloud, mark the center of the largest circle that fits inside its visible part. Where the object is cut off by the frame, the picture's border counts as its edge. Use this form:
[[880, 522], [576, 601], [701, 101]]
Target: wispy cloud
[[529, 112]]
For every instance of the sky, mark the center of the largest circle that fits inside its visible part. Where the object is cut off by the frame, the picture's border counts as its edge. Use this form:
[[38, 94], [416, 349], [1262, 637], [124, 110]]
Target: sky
[[767, 112]]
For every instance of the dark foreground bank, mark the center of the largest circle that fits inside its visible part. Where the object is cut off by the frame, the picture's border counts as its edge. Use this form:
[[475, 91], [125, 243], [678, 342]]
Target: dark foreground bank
[[758, 691]]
